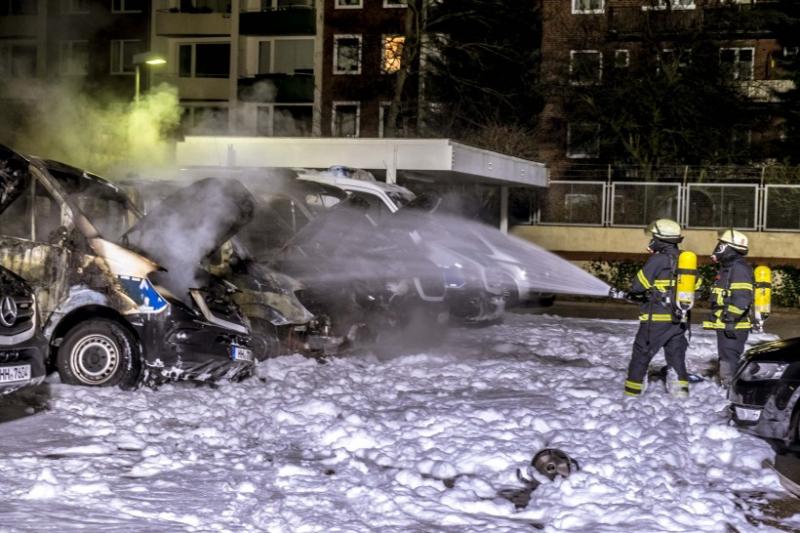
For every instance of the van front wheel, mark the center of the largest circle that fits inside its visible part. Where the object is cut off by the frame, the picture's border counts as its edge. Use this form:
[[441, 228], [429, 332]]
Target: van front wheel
[[99, 353]]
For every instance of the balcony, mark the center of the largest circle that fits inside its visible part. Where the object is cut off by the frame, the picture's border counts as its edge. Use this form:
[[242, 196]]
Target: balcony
[[279, 88], [293, 20], [198, 88], [193, 17], [740, 20]]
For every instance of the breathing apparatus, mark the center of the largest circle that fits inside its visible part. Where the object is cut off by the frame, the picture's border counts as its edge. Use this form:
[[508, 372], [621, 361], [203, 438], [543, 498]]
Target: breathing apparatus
[[685, 282], [762, 296]]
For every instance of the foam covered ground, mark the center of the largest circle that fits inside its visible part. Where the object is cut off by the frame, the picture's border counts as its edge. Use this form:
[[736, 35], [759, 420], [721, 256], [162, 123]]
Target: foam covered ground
[[421, 442]]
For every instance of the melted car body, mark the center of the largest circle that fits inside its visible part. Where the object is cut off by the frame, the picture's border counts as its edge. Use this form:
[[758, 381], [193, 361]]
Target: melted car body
[[106, 316]]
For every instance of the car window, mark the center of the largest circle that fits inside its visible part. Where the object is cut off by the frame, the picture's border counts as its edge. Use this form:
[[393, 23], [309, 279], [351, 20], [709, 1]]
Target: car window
[[47, 215], [15, 220], [376, 209]]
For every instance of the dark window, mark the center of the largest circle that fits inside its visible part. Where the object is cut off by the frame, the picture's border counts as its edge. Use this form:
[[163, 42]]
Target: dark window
[[47, 216], [185, 61], [292, 121], [212, 60], [15, 221]]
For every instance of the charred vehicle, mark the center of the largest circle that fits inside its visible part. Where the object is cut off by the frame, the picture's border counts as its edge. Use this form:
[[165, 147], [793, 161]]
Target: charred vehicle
[[765, 391], [110, 313], [22, 349], [476, 288]]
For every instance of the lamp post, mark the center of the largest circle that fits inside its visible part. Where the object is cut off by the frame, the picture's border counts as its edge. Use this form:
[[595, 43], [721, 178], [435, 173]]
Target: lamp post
[[145, 58]]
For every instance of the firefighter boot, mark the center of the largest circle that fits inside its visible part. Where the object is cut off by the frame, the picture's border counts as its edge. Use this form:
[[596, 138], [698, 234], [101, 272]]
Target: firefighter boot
[[677, 388]]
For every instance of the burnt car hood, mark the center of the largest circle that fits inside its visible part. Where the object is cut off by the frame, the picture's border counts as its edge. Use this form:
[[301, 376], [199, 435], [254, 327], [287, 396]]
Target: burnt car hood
[[184, 219], [13, 170], [784, 350]]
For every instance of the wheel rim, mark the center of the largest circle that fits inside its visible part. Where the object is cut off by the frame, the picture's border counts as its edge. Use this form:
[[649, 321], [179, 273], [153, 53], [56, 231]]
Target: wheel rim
[[94, 359]]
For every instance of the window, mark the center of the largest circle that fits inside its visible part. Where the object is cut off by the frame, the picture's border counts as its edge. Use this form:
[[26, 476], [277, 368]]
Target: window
[[395, 3], [675, 60], [15, 220], [383, 114], [74, 6], [622, 58], [18, 60], [668, 4], [347, 54], [585, 67], [345, 121], [74, 58], [126, 6], [286, 120], [587, 6], [293, 56], [122, 53], [349, 4], [583, 140], [18, 7], [204, 60], [206, 119], [268, 5], [392, 53], [737, 63]]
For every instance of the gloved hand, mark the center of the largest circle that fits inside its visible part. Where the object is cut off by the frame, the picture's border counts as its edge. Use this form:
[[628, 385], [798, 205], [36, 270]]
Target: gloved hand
[[617, 294]]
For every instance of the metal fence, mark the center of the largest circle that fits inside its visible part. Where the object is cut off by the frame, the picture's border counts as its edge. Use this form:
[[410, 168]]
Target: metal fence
[[746, 206]]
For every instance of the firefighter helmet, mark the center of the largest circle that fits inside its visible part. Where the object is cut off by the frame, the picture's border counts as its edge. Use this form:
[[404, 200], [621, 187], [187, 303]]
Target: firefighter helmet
[[665, 229], [735, 239]]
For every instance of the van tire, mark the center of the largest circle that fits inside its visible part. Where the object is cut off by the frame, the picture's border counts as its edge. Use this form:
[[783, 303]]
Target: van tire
[[99, 353]]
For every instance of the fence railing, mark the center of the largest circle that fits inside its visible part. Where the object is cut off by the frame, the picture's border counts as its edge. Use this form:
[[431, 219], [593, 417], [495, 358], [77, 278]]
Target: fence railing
[[745, 206]]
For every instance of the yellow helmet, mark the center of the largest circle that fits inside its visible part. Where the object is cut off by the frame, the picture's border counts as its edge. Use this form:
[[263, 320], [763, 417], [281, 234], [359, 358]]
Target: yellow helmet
[[735, 239], [666, 230]]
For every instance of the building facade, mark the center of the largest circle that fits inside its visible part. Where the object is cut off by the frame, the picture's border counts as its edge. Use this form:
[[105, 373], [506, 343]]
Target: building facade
[[585, 42]]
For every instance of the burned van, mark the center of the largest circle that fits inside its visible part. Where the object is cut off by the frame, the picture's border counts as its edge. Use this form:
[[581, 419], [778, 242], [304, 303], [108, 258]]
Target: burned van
[[110, 312]]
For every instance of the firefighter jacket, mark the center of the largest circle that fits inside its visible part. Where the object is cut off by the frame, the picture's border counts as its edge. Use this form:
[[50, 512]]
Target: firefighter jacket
[[654, 284], [732, 296]]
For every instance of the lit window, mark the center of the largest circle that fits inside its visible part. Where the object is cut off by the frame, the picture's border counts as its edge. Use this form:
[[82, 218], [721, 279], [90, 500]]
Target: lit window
[[349, 4], [122, 53], [395, 3], [392, 53], [672, 4], [74, 58], [737, 63], [583, 140], [347, 54], [345, 121], [126, 6], [585, 67], [587, 6]]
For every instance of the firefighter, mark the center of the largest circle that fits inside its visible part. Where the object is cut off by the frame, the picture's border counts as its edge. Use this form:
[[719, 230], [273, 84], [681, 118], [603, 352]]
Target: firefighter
[[731, 299], [660, 326]]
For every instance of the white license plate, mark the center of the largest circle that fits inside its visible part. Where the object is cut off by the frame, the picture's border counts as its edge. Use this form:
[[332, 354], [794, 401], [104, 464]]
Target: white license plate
[[748, 415], [239, 353], [11, 374]]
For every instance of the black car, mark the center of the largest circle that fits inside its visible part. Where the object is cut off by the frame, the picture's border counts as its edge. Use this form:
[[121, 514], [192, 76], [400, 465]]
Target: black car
[[22, 349], [765, 391]]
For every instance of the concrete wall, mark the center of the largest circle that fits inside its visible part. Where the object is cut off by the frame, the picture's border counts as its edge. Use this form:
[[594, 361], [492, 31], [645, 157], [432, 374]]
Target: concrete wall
[[589, 243]]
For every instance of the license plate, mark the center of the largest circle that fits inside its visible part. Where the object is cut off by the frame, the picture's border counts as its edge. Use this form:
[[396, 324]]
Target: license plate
[[748, 415], [10, 374], [240, 353]]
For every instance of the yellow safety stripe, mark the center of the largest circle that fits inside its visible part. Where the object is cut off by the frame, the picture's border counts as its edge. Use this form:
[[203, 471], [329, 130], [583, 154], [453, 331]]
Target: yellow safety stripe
[[698, 284], [664, 284], [741, 286], [632, 393], [683, 382], [744, 324], [635, 385], [656, 317], [735, 310], [643, 280]]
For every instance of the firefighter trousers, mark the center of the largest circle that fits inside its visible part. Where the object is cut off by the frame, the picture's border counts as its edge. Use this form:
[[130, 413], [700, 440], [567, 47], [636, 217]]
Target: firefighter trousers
[[730, 349], [650, 338]]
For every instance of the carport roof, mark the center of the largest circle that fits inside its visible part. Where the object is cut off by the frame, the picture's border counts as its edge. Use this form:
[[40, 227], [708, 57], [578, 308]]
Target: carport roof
[[441, 159]]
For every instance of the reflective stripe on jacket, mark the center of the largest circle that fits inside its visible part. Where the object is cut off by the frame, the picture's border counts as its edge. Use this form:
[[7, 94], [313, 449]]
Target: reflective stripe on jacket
[[656, 279], [732, 296]]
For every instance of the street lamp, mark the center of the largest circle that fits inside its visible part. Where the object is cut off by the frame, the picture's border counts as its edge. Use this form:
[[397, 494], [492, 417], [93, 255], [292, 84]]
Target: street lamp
[[145, 58]]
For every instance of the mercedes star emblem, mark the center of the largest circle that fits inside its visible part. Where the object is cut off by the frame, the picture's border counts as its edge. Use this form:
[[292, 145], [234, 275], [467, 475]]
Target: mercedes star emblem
[[8, 311]]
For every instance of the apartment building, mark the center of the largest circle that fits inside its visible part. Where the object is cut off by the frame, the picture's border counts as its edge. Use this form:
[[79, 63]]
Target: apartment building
[[89, 43], [583, 41], [280, 67]]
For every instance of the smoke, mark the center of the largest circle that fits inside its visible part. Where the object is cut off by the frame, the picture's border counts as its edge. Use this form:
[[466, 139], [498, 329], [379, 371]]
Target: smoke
[[97, 133]]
